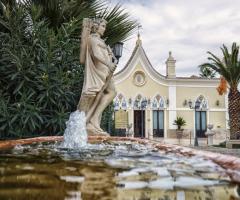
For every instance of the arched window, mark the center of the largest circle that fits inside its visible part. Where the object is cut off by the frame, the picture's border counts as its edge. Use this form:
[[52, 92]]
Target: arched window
[[203, 103], [137, 102], [120, 102], [124, 104], [158, 102], [137, 105], [155, 104], [161, 103], [116, 103]]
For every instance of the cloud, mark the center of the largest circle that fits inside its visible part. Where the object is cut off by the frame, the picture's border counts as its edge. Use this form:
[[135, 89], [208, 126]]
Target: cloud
[[188, 28]]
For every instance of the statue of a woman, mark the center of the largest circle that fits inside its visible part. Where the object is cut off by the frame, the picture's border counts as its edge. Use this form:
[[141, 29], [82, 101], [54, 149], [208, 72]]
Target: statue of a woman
[[98, 88]]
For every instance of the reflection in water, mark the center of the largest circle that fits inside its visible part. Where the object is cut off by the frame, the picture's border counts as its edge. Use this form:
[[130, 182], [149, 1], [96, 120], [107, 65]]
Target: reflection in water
[[109, 172], [99, 184], [213, 193]]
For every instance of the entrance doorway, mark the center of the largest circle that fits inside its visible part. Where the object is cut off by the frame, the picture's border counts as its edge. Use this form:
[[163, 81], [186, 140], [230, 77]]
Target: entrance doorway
[[201, 123], [139, 123], [158, 123]]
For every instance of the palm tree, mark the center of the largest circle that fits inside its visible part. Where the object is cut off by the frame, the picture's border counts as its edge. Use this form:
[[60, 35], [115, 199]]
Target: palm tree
[[229, 69]]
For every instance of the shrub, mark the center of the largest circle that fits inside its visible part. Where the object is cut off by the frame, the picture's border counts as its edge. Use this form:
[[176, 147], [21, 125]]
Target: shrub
[[179, 122], [40, 77]]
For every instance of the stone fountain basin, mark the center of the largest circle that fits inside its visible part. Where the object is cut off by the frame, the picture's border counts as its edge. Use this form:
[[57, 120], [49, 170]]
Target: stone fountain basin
[[114, 168], [230, 163]]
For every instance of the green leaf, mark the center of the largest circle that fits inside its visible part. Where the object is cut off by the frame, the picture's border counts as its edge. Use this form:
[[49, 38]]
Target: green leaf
[[18, 87]]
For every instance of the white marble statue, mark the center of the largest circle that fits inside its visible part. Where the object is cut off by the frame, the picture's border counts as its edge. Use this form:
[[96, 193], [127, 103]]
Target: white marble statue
[[98, 87]]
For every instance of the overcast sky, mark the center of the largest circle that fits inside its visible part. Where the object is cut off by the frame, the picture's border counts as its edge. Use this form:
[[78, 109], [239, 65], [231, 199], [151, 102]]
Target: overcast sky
[[188, 28]]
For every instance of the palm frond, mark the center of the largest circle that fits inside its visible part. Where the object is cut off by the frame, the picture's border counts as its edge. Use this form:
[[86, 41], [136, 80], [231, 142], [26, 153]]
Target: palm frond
[[120, 26], [207, 72], [228, 67]]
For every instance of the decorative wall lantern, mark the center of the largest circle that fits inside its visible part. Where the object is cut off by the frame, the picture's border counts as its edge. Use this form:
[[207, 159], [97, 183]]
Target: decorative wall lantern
[[129, 101], [149, 101], [117, 50], [167, 101], [185, 102], [217, 103], [190, 103]]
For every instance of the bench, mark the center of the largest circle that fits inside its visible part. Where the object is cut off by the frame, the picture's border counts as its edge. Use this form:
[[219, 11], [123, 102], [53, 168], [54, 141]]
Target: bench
[[233, 143]]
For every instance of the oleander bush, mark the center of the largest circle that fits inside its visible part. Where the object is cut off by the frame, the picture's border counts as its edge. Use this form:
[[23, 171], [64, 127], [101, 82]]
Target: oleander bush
[[40, 79]]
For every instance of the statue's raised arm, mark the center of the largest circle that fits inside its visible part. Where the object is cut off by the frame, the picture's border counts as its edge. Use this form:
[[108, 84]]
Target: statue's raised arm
[[98, 88]]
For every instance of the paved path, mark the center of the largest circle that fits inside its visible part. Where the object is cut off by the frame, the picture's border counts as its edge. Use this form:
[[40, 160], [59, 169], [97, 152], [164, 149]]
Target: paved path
[[226, 151]]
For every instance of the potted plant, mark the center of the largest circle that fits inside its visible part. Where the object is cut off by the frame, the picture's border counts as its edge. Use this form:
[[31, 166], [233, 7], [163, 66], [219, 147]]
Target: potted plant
[[179, 122]]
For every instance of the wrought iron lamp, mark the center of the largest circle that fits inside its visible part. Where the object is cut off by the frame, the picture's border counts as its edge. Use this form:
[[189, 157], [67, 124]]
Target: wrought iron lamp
[[185, 102], [143, 106], [167, 101], [117, 50], [190, 103], [130, 101], [149, 102], [195, 107]]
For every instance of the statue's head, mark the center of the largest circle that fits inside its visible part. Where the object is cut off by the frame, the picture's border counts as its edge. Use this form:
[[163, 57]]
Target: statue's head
[[99, 26]]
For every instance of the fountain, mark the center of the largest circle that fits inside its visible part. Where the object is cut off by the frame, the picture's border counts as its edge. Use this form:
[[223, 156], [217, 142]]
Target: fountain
[[87, 164]]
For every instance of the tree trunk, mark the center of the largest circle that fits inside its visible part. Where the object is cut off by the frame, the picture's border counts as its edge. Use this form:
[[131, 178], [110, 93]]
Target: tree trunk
[[234, 113]]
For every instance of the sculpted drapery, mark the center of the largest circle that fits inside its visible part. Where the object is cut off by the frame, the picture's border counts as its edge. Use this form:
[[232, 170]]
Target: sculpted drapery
[[98, 88], [95, 71]]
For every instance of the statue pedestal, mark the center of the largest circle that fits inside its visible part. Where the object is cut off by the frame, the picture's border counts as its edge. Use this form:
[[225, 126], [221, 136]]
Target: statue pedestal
[[210, 135], [94, 132]]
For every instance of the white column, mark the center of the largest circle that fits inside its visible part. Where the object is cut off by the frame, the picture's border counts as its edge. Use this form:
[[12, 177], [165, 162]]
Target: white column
[[172, 106], [146, 122], [165, 123], [131, 118], [151, 124], [194, 125]]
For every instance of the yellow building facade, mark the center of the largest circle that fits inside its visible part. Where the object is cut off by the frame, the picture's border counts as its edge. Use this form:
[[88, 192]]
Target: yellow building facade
[[150, 102]]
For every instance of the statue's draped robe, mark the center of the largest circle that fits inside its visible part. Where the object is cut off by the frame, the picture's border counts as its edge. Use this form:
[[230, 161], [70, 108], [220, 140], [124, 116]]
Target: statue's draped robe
[[96, 72]]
